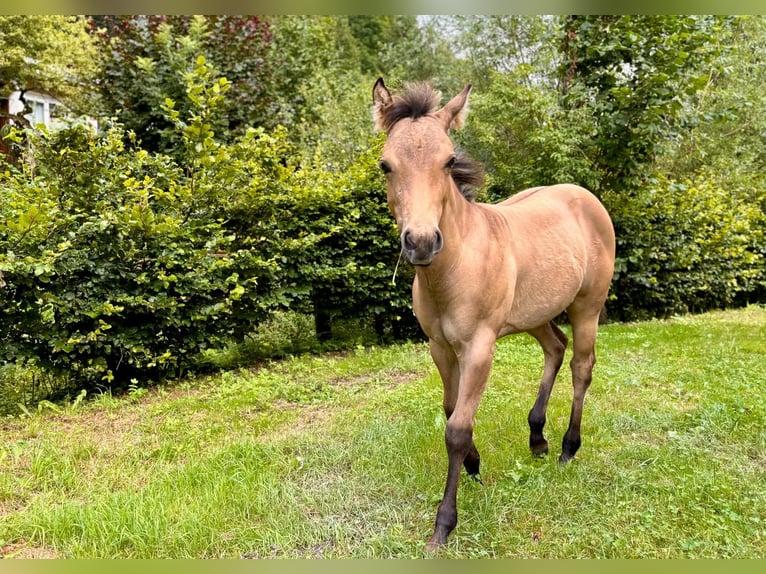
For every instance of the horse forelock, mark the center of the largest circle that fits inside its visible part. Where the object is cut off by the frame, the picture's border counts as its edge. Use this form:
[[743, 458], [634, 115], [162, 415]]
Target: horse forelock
[[417, 100]]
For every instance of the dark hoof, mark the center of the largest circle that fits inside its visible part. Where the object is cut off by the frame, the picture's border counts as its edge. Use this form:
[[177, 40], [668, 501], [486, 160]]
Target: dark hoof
[[476, 478], [472, 465], [539, 449], [565, 458], [569, 448]]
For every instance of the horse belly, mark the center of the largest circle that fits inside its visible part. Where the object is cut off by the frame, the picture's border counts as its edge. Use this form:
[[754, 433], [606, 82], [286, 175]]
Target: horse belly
[[541, 297]]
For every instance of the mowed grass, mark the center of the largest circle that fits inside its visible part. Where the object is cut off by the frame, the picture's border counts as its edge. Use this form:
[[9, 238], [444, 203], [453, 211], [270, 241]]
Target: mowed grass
[[343, 456]]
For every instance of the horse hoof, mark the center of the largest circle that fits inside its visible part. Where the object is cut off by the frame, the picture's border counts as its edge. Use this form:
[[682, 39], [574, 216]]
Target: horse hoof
[[434, 547], [539, 450], [565, 458], [438, 541], [476, 478]]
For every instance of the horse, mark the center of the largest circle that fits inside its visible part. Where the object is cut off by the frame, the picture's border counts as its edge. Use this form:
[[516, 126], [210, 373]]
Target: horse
[[484, 271]]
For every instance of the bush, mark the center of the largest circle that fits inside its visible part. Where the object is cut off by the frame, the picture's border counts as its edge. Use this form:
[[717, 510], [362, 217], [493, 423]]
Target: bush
[[112, 271], [353, 265], [525, 138], [123, 264], [684, 247]]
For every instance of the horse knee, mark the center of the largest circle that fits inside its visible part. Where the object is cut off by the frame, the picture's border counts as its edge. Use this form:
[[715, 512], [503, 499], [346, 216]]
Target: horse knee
[[458, 439], [582, 369]]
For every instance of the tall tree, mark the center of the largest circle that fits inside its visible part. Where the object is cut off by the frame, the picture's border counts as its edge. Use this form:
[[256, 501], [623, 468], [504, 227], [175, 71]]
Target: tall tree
[[505, 43], [725, 123], [50, 54], [53, 54], [633, 74], [146, 58]]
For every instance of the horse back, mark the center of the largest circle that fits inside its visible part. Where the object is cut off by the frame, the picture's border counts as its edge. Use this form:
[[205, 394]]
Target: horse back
[[562, 203], [563, 247]]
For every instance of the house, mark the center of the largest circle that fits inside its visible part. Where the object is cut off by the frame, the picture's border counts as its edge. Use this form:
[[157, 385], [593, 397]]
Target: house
[[45, 110]]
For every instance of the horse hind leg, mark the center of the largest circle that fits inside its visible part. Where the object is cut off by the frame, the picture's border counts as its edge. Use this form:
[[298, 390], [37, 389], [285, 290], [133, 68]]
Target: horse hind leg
[[584, 330], [554, 343]]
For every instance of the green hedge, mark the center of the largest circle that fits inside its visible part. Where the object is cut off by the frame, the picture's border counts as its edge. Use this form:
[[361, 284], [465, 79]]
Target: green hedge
[[121, 265], [113, 270], [686, 247]]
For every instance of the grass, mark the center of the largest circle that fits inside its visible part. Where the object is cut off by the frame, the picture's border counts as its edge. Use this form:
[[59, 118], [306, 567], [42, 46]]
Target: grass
[[342, 455]]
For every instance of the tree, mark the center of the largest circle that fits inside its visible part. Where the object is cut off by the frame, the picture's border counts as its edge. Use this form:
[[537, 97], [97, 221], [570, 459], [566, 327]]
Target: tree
[[315, 63], [724, 123], [633, 75], [505, 43], [146, 58], [524, 137], [422, 50], [51, 54]]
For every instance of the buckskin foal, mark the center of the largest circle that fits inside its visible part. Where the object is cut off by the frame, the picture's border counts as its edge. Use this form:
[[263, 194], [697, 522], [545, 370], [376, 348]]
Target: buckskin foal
[[486, 271]]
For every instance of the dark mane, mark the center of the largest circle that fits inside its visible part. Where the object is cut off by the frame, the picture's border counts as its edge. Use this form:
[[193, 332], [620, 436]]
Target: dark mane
[[418, 100], [468, 174]]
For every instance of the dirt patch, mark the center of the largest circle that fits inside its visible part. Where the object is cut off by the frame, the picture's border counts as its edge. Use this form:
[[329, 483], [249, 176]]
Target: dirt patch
[[24, 551], [309, 417]]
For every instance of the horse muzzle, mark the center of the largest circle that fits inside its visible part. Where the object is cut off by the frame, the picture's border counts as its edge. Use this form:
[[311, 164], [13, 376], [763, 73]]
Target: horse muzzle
[[421, 248]]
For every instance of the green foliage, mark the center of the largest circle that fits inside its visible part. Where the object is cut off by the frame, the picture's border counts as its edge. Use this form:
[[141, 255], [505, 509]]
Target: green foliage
[[685, 247], [49, 53], [632, 74], [318, 91], [352, 266], [521, 46], [120, 263], [109, 271], [723, 124], [146, 58], [525, 138]]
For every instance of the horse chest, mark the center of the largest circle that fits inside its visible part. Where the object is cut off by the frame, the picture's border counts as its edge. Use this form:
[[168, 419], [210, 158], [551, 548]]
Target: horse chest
[[453, 317]]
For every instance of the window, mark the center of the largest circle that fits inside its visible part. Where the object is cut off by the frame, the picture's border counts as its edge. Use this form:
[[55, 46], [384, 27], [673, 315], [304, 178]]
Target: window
[[38, 112]]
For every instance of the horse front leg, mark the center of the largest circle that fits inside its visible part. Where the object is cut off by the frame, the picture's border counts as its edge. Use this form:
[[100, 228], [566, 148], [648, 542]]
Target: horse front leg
[[449, 369], [474, 367]]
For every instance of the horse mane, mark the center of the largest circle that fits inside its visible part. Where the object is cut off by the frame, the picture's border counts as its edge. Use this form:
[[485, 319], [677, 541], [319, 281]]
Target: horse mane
[[468, 174], [417, 100]]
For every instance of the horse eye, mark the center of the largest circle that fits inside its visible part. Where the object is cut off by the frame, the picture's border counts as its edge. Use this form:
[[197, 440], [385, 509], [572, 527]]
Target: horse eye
[[385, 168], [451, 162]]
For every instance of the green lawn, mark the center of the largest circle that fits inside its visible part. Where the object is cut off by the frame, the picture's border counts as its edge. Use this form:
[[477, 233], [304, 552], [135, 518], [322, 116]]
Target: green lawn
[[343, 456]]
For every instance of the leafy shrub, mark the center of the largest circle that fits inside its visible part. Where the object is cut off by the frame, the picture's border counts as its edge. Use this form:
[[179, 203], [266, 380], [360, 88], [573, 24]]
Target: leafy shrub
[[111, 270], [684, 247], [120, 263], [525, 138], [355, 268]]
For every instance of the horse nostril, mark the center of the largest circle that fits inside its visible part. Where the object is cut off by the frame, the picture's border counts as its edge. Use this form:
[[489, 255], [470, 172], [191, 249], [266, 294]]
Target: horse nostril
[[407, 241], [439, 241]]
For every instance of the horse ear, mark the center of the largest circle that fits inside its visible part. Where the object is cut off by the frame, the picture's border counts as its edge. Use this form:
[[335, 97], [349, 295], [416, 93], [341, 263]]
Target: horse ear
[[381, 100], [453, 114]]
